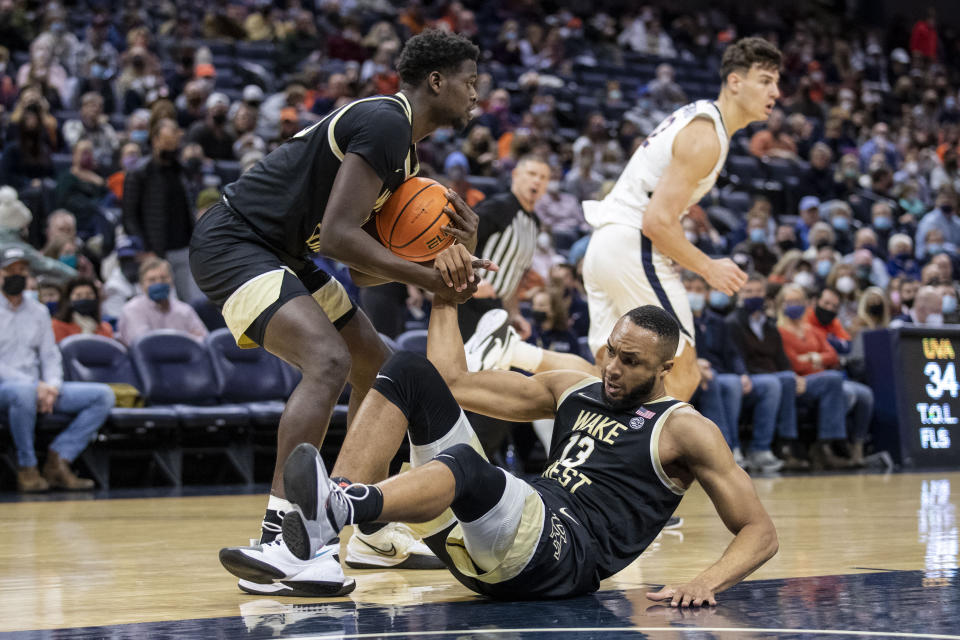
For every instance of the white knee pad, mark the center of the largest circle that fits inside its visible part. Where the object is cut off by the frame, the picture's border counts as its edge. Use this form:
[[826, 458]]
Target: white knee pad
[[489, 537], [460, 433]]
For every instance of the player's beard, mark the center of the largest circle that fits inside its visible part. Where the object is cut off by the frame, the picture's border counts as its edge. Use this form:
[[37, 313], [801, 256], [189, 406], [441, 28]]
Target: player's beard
[[634, 398]]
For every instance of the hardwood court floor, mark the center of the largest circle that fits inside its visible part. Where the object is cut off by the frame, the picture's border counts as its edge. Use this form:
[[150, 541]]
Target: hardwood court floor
[[83, 563]]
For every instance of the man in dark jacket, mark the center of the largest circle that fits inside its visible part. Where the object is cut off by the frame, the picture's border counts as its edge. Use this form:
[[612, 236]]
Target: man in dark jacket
[[728, 382], [773, 384], [157, 206]]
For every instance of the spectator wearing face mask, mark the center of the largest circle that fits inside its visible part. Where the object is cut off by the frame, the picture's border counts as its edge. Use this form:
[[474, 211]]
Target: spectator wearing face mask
[[212, 132], [81, 190], [15, 219], [123, 282], [926, 309], [560, 212], [157, 307], [79, 311], [879, 143], [549, 327], [949, 309], [843, 280], [873, 312], [725, 385], [870, 268], [812, 358], [943, 218], [840, 216], [901, 260], [158, 208], [757, 246], [129, 157]]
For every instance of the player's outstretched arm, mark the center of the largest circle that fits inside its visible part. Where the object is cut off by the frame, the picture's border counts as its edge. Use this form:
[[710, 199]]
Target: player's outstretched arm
[[696, 443], [342, 237], [695, 153], [500, 394]]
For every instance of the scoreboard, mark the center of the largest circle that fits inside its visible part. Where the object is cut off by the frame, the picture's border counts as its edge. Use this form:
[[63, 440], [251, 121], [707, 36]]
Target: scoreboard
[[913, 373]]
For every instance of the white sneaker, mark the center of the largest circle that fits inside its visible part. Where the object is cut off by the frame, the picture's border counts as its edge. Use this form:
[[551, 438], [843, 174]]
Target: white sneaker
[[491, 345], [738, 457], [394, 546], [270, 569], [763, 461], [319, 507]]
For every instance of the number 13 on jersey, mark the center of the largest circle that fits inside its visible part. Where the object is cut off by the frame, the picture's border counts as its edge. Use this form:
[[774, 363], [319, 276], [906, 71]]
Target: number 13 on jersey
[[565, 469]]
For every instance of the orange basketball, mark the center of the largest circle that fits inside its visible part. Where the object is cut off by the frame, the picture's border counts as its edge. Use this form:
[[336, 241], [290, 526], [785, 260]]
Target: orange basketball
[[410, 220]]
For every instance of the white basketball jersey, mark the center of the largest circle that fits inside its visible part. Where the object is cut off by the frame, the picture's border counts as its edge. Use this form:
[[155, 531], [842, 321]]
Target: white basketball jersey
[[627, 201]]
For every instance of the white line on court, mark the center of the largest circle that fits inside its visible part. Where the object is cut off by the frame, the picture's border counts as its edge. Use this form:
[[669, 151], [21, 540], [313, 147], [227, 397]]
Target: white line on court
[[494, 632]]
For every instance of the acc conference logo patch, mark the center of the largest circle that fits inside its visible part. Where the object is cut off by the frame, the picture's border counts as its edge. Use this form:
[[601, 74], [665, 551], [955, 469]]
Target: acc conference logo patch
[[636, 423]]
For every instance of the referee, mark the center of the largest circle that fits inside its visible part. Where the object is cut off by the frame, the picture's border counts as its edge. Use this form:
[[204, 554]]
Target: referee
[[507, 234]]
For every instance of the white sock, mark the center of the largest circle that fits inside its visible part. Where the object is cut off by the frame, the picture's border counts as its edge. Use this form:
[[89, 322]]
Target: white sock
[[278, 504], [526, 356]]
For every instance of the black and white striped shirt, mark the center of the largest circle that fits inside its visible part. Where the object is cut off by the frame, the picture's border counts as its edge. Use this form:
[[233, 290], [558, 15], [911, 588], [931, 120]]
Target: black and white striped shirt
[[506, 234]]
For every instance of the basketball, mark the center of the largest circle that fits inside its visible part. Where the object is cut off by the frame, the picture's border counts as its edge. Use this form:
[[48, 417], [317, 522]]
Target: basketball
[[410, 221]]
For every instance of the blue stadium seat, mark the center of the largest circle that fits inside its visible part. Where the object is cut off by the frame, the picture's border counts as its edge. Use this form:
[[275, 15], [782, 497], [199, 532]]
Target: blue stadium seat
[[738, 201], [61, 162], [415, 341], [489, 185], [252, 377], [745, 172], [130, 432], [177, 370]]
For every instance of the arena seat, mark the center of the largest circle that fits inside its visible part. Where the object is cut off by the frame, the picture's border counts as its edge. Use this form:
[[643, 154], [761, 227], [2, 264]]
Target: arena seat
[[176, 370], [130, 432], [251, 377], [745, 172], [738, 201], [415, 340]]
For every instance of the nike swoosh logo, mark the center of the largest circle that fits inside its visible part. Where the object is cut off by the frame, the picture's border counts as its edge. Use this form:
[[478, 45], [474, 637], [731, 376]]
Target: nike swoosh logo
[[391, 552], [385, 378], [322, 552], [563, 511]]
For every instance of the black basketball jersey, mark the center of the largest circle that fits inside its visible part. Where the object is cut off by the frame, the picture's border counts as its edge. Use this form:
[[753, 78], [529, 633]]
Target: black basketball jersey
[[607, 464], [283, 197]]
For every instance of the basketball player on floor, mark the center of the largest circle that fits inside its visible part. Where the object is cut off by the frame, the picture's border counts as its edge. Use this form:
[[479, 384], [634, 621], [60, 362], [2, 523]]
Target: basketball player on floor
[[249, 255], [638, 235], [622, 456]]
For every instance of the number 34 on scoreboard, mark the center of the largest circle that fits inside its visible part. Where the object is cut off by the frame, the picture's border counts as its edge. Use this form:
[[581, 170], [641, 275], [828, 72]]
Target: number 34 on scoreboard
[[942, 385]]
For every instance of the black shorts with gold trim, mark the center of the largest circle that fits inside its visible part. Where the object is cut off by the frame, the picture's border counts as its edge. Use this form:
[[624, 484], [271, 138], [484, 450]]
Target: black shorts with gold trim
[[562, 561], [246, 278]]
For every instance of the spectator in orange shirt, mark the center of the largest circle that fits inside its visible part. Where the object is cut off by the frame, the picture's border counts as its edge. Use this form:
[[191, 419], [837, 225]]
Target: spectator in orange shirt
[[129, 156], [774, 141], [79, 311], [812, 357], [456, 170]]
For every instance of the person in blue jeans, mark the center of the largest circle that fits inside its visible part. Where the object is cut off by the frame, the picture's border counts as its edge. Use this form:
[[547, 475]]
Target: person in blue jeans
[[813, 359], [726, 385], [31, 382], [777, 388]]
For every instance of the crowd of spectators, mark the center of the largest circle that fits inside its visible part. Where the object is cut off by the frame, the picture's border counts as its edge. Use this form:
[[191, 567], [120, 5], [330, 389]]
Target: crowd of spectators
[[121, 122]]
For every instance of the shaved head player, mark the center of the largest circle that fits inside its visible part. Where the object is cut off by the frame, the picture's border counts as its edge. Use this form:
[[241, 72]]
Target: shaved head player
[[250, 255]]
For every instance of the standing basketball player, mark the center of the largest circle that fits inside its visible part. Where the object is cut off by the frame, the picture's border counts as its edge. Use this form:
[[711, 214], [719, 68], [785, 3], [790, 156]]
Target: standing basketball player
[[638, 235], [622, 456], [249, 255]]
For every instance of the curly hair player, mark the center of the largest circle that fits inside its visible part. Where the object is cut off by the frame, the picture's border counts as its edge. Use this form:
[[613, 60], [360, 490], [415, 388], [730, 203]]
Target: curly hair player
[[249, 255]]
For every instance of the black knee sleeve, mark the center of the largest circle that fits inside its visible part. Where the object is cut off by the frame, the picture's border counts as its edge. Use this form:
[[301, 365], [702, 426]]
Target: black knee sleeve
[[479, 484], [413, 384]]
